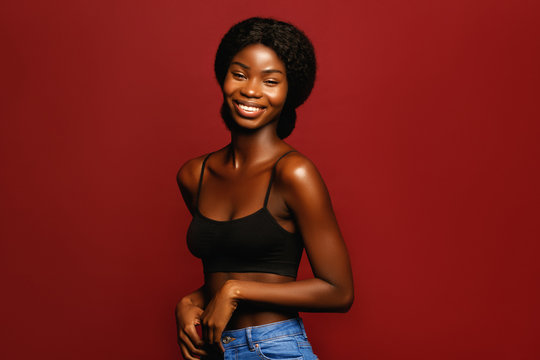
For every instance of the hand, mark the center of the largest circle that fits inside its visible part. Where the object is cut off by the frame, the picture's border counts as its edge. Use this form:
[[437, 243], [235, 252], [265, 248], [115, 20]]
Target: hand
[[217, 314], [188, 316]]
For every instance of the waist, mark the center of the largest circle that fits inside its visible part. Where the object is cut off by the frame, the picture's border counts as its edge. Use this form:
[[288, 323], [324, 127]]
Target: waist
[[249, 316], [252, 335]]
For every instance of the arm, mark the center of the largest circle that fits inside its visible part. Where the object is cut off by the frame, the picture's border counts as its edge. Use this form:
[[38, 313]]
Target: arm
[[331, 289], [189, 309]]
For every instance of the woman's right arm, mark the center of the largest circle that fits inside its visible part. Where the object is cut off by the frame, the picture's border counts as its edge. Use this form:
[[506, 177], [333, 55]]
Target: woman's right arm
[[189, 309]]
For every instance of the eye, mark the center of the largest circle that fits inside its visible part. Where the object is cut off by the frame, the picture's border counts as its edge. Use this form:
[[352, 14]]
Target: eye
[[238, 75], [271, 82]]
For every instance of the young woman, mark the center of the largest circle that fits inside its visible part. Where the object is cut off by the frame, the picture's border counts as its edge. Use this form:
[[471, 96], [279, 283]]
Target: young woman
[[256, 204]]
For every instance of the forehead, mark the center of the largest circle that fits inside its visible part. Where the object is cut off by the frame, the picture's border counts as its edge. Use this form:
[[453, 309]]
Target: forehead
[[260, 57]]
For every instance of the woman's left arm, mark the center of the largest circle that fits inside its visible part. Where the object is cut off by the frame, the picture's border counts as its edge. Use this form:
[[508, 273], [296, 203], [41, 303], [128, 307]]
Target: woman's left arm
[[331, 289]]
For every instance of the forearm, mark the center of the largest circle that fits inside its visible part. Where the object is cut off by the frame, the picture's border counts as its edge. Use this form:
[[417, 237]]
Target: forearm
[[196, 298], [313, 295]]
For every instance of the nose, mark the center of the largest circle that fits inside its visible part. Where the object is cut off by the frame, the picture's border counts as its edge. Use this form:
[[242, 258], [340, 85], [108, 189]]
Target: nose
[[251, 89]]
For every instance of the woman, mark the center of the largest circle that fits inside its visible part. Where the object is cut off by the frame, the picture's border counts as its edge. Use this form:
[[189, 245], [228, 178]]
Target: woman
[[256, 203]]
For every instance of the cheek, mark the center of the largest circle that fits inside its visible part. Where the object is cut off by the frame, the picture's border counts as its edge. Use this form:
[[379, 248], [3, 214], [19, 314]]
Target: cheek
[[228, 86], [277, 98]]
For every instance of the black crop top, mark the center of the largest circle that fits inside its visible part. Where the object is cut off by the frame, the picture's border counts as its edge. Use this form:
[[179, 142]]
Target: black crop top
[[253, 243]]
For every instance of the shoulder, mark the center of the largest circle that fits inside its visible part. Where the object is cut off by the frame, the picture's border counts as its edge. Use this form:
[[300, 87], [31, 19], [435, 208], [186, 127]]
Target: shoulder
[[188, 180], [304, 190], [296, 168], [298, 175], [189, 173]]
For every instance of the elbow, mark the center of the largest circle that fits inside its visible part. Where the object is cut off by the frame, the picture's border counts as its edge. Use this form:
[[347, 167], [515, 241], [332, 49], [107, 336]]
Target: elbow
[[345, 301]]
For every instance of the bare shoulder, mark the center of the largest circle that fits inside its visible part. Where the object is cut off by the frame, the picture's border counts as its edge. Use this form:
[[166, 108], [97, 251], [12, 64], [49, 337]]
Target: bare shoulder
[[189, 172], [300, 181], [296, 169], [188, 179], [305, 193]]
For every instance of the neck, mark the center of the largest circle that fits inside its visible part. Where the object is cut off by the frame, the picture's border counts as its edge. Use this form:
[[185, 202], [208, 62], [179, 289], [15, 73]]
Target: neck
[[249, 148]]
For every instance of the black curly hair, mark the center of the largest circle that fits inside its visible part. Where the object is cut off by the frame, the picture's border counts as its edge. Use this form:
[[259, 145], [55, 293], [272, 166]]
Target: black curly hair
[[291, 46]]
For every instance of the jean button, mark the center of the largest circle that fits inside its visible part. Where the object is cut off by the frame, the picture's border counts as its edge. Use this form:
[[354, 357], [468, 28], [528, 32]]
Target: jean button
[[226, 339]]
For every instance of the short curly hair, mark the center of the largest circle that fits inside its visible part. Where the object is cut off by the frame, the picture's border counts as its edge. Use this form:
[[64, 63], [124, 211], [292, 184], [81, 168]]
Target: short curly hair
[[292, 47]]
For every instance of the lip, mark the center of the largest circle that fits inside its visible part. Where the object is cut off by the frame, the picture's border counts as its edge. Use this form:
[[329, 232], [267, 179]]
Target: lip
[[248, 114]]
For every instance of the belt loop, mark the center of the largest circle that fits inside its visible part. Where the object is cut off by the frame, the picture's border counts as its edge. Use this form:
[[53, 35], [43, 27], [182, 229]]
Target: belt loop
[[249, 341], [301, 323]]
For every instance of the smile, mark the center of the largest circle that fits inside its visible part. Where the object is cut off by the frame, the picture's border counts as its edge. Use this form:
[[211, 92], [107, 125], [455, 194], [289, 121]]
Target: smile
[[248, 110]]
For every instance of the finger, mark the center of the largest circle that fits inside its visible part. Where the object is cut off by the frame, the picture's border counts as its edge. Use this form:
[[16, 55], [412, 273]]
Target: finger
[[199, 313], [217, 338], [186, 341], [191, 331], [186, 354], [221, 346], [210, 334], [205, 333]]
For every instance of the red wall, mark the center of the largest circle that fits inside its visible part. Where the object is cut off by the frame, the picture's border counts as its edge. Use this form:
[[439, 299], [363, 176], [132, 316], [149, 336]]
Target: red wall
[[423, 122]]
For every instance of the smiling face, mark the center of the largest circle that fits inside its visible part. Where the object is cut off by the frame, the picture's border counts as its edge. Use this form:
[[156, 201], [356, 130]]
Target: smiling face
[[255, 87]]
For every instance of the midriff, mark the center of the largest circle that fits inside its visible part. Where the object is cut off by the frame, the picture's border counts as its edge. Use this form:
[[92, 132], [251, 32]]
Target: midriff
[[250, 313]]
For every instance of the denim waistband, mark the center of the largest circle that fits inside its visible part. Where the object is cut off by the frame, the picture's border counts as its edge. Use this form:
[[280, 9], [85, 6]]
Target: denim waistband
[[253, 334]]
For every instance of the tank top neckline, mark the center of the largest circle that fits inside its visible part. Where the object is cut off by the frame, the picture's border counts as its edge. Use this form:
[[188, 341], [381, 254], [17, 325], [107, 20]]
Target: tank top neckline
[[263, 210], [231, 220]]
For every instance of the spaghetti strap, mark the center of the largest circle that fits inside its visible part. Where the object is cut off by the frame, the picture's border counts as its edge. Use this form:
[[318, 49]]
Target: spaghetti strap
[[272, 175], [200, 180]]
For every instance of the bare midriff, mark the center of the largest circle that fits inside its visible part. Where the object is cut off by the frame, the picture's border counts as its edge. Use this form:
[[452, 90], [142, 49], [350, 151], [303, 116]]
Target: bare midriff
[[248, 313]]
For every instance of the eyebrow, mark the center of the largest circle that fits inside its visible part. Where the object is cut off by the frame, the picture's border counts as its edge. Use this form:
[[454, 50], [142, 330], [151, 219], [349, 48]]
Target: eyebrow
[[269, 71]]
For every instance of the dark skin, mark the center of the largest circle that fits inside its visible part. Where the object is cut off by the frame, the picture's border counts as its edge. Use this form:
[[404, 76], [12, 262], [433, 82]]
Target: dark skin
[[234, 185]]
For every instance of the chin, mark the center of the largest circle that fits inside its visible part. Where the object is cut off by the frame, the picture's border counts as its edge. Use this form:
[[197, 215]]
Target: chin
[[248, 124]]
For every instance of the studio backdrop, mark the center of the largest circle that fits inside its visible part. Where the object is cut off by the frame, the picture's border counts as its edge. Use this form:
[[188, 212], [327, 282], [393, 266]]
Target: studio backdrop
[[423, 123]]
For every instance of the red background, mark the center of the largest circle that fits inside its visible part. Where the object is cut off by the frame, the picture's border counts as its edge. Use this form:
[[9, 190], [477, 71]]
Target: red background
[[423, 122]]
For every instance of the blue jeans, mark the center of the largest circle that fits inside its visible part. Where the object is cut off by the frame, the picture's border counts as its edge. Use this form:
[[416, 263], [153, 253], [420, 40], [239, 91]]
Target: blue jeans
[[282, 340]]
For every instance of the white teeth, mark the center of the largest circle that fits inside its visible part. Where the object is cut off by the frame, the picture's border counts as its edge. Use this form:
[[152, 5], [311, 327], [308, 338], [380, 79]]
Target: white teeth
[[248, 108]]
